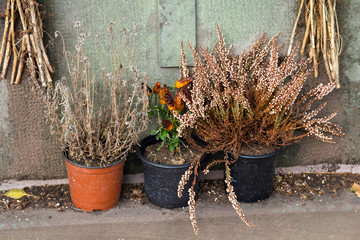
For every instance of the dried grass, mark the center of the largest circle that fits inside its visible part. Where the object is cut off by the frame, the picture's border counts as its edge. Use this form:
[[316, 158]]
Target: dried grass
[[25, 46], [322, 31]]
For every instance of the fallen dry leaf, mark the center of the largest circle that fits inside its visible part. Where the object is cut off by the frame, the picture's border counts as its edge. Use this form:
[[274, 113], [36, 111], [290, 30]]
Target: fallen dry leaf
[[356, 188], [16, 193]]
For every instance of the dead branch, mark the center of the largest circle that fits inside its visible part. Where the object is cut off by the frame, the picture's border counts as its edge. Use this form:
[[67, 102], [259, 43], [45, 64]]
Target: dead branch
[[32, 48], [294, 28], [8, 46], [6, 27], [323, 29], [22, 61]]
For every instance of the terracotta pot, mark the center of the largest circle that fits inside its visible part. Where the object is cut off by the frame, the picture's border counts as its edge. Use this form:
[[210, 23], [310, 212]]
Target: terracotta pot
[[95, 188]]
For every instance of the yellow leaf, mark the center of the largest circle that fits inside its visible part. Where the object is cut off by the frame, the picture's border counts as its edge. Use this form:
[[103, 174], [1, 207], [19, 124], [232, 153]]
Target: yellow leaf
[[356, 188], [16, 193]]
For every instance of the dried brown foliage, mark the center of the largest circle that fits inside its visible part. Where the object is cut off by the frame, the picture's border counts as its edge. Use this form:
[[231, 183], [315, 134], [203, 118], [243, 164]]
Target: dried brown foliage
[[251, 100], [98, 120]]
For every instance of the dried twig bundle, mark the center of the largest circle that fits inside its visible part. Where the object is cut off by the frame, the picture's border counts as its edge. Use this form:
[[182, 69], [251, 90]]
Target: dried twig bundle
[[98, 121], [322, 31], [25, 46], [250, 101]]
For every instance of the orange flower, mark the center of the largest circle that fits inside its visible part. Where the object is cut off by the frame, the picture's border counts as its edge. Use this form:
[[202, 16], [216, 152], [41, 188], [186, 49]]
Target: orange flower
[[186, 92], [162, 96], [169, 101], [183, 82], [157, 87], [171, 108], [167, 91], [179, 103], [167, 124]]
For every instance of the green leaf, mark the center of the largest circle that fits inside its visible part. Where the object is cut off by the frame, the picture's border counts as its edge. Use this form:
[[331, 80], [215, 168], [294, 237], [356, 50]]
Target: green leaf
[[161, 145], [172, 147], [155, 131], [16, 193], [162, 134]]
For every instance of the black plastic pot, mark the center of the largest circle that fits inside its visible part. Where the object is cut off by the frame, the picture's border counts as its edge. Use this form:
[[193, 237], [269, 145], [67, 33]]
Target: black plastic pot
[[161, 181], [252, 176]]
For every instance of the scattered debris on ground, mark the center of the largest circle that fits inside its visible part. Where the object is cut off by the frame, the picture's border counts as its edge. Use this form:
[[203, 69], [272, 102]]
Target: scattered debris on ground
[[305, 186], [310, 185], [52, 196]]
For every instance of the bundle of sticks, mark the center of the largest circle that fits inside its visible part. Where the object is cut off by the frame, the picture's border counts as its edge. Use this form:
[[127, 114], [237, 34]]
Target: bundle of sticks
[[322, 31], [26, 45]]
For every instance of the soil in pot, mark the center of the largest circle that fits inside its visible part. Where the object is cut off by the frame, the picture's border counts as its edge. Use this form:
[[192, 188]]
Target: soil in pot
[[165, 156]]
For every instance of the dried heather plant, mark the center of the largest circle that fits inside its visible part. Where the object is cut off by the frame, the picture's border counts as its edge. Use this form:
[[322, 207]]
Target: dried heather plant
[[98, 121], [251, 100]]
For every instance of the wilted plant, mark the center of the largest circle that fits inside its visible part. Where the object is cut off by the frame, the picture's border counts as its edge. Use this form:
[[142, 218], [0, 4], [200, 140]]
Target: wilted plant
[[249, 101], [98, 119]]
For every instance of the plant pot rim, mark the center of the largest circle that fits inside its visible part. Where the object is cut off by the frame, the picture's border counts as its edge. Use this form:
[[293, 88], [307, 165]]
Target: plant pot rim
[[89, 167], [257, 156], [160, 165]]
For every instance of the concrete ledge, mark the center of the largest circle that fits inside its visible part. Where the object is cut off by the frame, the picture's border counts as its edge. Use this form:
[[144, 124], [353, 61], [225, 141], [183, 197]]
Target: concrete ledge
[[216, 174], [328, 167]]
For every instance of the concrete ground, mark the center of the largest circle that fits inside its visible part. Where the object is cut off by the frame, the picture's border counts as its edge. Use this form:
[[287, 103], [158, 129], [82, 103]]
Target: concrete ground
[[278, 218]]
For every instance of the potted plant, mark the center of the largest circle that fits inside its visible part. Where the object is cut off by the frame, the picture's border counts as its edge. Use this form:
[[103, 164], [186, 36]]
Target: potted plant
[[164, 155], [97, 120], [248, 106]]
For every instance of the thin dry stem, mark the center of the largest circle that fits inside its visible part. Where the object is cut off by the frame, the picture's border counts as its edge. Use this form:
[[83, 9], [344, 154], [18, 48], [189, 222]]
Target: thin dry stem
[[6, 28], [8, 45], [232, 196], [333, 45], [192, 210], [294, 28], [37, 48], [13, 44], [45, 57], [213, 163], [31, 64], [322, 25], [37, 60], [22, 61], [324, 38], [306, 36]]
